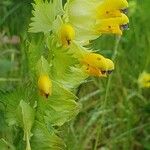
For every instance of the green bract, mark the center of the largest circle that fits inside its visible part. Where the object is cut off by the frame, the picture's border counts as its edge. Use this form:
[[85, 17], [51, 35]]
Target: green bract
[[80, 13], [44, 15]]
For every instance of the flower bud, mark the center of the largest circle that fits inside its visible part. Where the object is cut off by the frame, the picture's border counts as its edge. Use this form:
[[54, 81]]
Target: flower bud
[[67, 34], [45, 85]]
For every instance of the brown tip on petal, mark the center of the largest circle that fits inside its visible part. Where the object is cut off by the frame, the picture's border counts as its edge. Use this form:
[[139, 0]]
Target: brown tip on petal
[[46, 95], [125, 11], [124, 27], [103, 72], [68, 42], [109, 71]]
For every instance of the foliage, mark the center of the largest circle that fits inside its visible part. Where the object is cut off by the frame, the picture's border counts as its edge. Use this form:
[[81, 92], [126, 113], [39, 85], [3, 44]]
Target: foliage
[[113, 116]]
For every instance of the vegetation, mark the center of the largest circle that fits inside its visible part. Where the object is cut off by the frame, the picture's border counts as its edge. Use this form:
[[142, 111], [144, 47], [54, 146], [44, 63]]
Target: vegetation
[[113, 113]]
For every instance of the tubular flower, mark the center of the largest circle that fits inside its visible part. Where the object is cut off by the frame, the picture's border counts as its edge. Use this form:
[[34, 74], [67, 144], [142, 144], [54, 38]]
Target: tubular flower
[[113, 25], [67, 34], [96, 17], [110, 16], [144, 80], [97, 65], [111, 8], [45, 85]]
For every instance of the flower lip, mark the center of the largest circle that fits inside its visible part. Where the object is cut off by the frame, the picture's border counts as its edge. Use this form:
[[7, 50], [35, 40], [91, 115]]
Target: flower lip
[[46, 95], [124, 26], [109, 71], [125, 11], [68, 41], [67, 34], [103, 71]]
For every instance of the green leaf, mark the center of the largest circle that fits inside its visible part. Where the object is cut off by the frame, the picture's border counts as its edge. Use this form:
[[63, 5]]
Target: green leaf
[[43, 66], [5, 66], [13, 99], [44, 15], [59, 108], [63, 106], [61, 63], [44, 139], [35, 50], [65, 67], [74, 77], [4, 145], [19, 112], [26, 120]]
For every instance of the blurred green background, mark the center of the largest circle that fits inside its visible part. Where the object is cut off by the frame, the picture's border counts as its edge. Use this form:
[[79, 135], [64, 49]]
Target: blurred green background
[[116, 112]]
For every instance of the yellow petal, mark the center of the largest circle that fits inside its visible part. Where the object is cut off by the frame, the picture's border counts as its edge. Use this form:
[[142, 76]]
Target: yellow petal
[[67, 34], [117, 4], [144, 80], [95, 72], [98, 61], [110, 8], [45, 85], [97, 65], [110, 65], [108, 14], [112, 25], [94, 60]]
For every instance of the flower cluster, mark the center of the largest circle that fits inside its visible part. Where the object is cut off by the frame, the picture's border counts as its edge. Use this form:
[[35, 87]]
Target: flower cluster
[[79, 22], [58, 61], [90, 19]]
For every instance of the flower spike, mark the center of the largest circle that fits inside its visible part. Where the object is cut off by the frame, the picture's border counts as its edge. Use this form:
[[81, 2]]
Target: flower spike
[[96, 17]]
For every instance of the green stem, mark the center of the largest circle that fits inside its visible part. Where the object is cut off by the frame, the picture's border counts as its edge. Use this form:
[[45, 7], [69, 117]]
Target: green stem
[[110, 78], [28, 147]]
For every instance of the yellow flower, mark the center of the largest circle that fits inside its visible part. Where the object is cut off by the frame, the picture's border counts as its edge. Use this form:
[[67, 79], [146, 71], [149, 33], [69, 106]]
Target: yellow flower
[[113, 25], [111, 8], [97, 65], [144, 80], [110, 66], [67, 34], [45, 85], [91, 18], [111, 17]]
